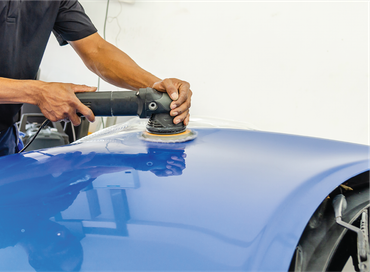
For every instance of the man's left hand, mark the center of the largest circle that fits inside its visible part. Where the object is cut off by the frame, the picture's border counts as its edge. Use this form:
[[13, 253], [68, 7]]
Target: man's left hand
[[180, 93]]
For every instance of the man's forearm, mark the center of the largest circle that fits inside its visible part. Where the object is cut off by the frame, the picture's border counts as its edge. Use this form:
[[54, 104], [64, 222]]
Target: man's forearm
[[14, 91], [117, 68], [111, 64], [57, 101]]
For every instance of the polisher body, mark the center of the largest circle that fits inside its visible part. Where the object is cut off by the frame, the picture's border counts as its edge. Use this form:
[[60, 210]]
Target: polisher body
[[146, 103]]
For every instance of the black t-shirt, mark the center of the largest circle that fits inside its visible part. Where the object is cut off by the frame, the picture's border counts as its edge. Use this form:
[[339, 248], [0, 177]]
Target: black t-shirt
[[25, 27]]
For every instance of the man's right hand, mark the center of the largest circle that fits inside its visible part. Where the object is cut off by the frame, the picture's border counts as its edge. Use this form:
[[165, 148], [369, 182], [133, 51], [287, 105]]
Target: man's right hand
[[57, 101]]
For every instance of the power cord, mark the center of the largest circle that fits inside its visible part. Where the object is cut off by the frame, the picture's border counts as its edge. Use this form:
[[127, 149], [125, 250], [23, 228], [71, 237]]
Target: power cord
[[34, 136], [104, 29], [72, 129]]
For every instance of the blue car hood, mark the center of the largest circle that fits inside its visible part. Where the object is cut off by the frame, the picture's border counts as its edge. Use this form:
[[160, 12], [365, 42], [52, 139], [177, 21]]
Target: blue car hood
[[230, 200]]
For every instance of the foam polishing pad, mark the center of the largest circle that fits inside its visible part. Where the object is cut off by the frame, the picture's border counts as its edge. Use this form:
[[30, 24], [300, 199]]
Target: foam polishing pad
[[185, 136]]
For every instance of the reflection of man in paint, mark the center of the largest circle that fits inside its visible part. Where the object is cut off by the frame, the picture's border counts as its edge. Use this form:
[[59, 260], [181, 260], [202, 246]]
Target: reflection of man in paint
[[40, 189], [49, 245], [53, 248]]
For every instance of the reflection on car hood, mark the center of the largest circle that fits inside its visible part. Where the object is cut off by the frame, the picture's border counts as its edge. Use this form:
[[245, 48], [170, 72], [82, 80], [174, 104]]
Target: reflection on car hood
[[232, 200]]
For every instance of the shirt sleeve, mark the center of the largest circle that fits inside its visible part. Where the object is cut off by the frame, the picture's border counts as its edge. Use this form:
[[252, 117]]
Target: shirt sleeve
[[72, 23]]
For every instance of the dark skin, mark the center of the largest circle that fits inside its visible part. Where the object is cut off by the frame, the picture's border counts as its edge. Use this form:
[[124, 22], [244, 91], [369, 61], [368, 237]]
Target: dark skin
[[58, 101]]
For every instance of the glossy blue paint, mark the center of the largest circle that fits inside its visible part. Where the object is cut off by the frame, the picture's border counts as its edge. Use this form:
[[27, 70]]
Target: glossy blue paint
[[230, 200]]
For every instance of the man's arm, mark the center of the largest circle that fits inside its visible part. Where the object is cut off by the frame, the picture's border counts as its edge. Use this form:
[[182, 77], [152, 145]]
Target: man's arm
[[55, 100], [117, 68]]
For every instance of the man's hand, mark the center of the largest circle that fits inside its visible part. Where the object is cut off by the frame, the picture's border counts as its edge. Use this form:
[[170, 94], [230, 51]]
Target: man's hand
[[58, 101], [180, 93]]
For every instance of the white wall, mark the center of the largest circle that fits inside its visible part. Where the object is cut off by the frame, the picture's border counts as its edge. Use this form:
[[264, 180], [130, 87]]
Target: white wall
[[296, 67]]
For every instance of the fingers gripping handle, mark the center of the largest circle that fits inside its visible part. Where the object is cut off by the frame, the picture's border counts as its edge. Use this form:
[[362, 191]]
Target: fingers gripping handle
[[144, 103]]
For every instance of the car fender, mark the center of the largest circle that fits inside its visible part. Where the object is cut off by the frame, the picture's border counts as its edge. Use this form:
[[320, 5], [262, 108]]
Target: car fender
[[239, 202]]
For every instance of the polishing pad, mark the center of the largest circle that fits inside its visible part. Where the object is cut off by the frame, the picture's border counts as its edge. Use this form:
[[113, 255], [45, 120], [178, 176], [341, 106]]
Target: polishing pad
[[185, 136]]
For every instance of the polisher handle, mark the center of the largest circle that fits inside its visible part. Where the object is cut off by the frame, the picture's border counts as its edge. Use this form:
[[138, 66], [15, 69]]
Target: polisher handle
[[110, 103], [144, 103]]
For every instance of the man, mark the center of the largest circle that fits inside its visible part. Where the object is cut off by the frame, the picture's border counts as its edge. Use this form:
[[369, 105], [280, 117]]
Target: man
[[25, 27]]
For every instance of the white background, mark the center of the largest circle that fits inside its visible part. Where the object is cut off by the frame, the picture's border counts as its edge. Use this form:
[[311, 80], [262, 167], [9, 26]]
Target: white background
[[298, 67]]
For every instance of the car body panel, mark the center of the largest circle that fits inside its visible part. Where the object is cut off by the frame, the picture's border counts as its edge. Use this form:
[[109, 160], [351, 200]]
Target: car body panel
[[238, 200]]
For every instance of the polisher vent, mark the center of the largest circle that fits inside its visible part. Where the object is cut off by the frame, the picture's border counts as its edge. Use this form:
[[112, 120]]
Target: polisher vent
[[154, 124], [162, 123]]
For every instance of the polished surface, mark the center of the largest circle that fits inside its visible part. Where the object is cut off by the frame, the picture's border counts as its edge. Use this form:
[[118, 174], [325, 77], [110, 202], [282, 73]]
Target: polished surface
[[230, 200]]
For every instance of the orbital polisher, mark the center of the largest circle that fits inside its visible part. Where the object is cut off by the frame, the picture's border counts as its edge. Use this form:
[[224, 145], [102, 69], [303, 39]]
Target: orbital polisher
[[146, 103]]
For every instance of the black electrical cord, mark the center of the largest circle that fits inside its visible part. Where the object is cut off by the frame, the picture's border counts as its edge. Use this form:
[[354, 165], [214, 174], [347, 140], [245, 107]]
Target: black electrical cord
[[34, 136]]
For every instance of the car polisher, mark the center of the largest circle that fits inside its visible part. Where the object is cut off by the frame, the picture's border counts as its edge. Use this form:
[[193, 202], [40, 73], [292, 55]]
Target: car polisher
[[146, 103]]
